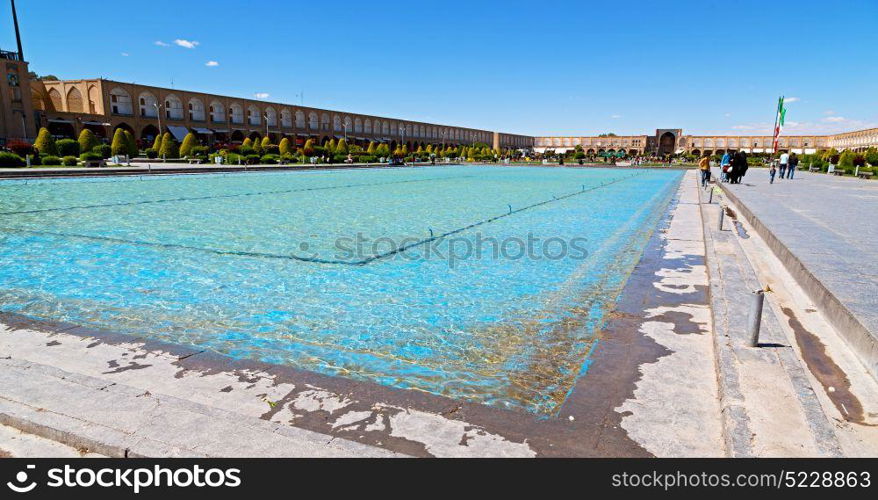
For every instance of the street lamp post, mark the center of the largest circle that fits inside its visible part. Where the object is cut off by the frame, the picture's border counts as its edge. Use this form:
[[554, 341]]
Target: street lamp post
[[158, 114]]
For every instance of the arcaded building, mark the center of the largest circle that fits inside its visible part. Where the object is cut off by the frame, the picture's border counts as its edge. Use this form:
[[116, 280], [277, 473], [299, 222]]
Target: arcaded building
[[65, 107]]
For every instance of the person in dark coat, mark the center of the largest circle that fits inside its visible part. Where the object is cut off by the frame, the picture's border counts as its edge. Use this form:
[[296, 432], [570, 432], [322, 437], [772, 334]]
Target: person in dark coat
[[742, 161]]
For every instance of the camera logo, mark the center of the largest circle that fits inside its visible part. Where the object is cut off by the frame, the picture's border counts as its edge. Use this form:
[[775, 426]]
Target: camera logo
[[20, 479]]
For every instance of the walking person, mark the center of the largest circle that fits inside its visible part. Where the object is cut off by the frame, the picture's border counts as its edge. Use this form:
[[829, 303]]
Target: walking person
[[724, 166], [740, 166], [791, 167], [784, 161], [704, 165], [772, 170]]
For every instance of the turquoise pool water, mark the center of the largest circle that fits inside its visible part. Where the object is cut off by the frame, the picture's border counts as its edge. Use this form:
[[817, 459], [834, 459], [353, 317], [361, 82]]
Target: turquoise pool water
[[267, 266]]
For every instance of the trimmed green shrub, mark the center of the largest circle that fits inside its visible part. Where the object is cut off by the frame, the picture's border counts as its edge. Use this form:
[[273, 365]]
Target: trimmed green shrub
[[271, 149], [51, 160], [131, 144], [290, 158], [45, 143], [104, 150], [91, 156], [87, 140], [119, 145], [252, 159], [151, 153], [284, 148], [69, 161], [10, 160], [342, 147], [268, 160], [247, 150], [189, 142], [157, 143], [169, 147], [308, 148], [67, 147]]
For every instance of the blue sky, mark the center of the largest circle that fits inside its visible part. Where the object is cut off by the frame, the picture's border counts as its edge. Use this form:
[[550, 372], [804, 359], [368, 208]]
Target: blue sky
[[549, 67]]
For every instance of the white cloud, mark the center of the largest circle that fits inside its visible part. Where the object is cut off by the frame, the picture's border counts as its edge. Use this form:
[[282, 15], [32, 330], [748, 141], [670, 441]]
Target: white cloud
[[835, 119], [788, 100], [615, 117], [211, 63], [261, 95], [188, 44], [124, 54], [162, 44], [829, 112], [727, 115]]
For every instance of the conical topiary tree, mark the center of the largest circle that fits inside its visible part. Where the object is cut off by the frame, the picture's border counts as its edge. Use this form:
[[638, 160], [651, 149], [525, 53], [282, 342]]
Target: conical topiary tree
[[169, 147], [284, 147], [248, 143], [189, 142], [342, 147], [157, 143], [87, 140], [308, 148], [132, 149], [257, 146], [266, 141], [330, 146], [119, 146], [45, 143], [371, 148]]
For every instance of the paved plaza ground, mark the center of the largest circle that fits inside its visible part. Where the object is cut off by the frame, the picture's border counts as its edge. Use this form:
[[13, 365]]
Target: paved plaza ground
[[826, 233]]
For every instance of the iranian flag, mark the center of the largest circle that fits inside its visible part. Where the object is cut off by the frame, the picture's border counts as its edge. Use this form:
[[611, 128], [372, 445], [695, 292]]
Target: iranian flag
[[778, 122]]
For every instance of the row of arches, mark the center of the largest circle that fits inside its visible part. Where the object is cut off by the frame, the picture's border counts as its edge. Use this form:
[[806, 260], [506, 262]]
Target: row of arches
[[214, 111]]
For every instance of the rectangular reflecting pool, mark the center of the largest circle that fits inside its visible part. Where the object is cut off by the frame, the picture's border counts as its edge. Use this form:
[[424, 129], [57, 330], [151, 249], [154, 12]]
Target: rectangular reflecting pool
[[485, 284]]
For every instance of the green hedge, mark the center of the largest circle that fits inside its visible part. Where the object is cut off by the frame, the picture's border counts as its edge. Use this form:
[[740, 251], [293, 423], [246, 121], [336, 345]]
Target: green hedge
[[51, 160], [70, 161], [11, 160]]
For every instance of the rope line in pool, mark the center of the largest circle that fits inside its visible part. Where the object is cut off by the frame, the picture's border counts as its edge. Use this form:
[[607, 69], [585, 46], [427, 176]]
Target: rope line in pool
[[316, 260], [220, 196]]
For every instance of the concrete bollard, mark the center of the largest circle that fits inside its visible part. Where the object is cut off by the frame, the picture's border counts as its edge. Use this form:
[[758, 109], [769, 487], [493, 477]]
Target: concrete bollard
[[710, 198], [722, 215], [754, 320]]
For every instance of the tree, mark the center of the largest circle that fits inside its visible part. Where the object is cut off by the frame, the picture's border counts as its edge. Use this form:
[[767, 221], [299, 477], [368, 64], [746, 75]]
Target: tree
[[133, 150], [119, 145], [308, 148], [45, 143], [342, 147], [87, 140], [189, 142], [284, 148], [266, 141], [257, 146], [157, 143], [330, 146], [169, 147], [248, 143], [371, 148], [847, 159]]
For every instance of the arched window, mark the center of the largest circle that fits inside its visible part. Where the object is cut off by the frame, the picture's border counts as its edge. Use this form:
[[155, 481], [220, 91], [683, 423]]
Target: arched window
[[358, 126], [336, 123], [270, 117], [367, 126], [74, 101], [120, 102], [173, 108], [253, 117], [147, 104], [236, 113], [196, 110], [217, 112], [313, 121], [324, 121], [55, 99], [286, 118]]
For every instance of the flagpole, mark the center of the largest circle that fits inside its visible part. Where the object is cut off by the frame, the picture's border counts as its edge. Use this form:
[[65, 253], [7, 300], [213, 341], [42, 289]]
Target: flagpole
[[774, 130]]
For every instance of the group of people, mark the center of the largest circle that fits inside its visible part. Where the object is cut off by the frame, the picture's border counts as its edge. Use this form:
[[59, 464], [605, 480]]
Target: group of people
[[788, 164], [733, 166]]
